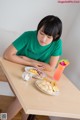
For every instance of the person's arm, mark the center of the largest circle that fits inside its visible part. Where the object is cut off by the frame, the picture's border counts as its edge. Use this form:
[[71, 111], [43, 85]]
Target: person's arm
[[53, 61], [38, 64], [52, 64], [10, 54]]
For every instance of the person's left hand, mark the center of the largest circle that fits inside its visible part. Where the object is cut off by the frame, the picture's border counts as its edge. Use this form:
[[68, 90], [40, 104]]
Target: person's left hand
[[38, 65]]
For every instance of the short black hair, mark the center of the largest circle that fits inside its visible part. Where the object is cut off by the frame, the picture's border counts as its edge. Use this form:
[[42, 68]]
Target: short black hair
[[52, 26]]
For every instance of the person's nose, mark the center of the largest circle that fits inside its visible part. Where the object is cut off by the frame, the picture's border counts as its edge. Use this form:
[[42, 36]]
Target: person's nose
[[44, 39]]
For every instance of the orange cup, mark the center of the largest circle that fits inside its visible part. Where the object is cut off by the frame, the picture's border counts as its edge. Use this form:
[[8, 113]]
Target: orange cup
[[58, 72]]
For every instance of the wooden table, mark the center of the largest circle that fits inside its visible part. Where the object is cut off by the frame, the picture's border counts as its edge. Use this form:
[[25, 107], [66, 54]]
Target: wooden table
[[33, 101]]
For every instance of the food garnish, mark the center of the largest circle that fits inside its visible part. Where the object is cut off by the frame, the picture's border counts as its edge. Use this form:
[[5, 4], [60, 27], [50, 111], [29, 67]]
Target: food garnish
[[63, 62]]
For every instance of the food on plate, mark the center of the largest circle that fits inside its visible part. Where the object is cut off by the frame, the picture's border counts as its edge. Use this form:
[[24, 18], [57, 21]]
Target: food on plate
[[34, 71], [37, 73], [47, 86], [55, 88]]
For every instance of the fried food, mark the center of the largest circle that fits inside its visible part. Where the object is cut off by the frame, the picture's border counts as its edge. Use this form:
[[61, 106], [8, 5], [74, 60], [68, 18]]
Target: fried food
[[47, 86], [33, 71]]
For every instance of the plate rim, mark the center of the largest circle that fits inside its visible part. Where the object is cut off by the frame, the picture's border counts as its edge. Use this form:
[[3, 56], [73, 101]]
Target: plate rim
[[29, 67]]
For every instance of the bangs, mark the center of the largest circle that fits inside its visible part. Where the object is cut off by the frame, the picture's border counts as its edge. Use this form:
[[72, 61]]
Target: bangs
[[50, 30]]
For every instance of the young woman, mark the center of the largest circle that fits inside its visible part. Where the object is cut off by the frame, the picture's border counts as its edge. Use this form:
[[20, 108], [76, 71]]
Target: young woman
[[41, 48]]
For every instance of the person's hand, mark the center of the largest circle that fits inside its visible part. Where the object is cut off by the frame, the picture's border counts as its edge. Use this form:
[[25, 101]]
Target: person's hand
[[42, 66], [38, 65], [46, 66]]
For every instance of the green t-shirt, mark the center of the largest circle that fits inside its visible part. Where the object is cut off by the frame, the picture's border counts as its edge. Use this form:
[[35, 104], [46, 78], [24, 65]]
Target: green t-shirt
[[27, 45]]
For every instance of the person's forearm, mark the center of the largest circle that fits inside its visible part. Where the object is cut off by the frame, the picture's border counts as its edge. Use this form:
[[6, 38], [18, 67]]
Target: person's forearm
[[18, 59], [46, 66], [28, 61]]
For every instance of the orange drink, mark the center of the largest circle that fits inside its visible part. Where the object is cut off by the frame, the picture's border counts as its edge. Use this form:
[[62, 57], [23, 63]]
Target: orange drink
[[60, 68], [58, 72]]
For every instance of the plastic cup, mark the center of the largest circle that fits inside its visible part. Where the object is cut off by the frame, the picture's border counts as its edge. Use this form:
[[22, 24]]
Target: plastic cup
[[58, 72]]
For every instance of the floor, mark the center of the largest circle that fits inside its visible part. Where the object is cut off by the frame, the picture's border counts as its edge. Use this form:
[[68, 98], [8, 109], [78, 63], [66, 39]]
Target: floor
[[60, 118]]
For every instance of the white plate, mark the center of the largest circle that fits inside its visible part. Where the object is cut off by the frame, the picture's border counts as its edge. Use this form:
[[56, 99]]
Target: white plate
[[28, 68], [38, 82], [37, 76]]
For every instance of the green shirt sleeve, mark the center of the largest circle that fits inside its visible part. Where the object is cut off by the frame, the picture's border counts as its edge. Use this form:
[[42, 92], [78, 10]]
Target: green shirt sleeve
[[58, 48], [21, 41]]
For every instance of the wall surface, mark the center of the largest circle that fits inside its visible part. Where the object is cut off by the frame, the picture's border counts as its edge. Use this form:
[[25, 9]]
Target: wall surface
[[71, 51], [24, 15]]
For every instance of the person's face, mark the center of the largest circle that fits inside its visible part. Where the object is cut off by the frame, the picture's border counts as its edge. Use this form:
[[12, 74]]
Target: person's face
[[44, 39]]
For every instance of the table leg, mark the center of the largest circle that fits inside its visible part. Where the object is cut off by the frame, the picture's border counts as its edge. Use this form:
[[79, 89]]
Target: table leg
[[31, 117], [13, 109], [24, 116]]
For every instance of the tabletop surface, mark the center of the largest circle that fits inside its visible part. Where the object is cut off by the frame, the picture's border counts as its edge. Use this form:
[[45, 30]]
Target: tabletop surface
[[33, 101]]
